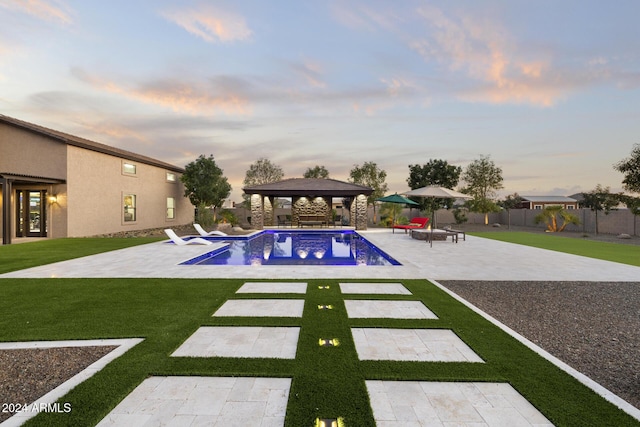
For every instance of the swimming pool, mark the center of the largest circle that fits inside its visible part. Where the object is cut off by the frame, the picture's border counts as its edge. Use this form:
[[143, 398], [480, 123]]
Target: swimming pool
[[277, 247]]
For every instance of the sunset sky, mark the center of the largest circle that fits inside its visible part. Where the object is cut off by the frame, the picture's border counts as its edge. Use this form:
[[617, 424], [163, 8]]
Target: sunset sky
[[550, 90]]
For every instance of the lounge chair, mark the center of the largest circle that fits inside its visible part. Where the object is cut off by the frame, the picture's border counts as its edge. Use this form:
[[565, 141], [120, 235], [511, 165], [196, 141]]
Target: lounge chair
[[181, 242], [205, 233], [416, 223]]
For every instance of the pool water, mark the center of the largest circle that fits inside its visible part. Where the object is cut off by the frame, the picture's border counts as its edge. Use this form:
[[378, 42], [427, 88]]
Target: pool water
[[276, 247]]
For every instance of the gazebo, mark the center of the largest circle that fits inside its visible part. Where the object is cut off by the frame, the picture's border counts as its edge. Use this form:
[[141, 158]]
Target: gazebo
[[310, 199]]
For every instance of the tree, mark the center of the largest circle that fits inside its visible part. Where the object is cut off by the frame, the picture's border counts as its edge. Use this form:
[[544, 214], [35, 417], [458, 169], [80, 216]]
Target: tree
[[434, 172], [549, 216], [600, 199], [512, 201], [483, 178], [368, 174], [206, 186], [261, 172], [630, 167], [316, 172]]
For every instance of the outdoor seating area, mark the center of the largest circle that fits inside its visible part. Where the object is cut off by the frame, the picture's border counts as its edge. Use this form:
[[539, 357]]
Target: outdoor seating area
[[416, 223], [312, 220]]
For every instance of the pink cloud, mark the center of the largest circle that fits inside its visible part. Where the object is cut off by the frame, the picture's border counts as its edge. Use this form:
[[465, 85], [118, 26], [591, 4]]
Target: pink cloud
[[211, 24], [41, 9], [187, 97], [484, 51]]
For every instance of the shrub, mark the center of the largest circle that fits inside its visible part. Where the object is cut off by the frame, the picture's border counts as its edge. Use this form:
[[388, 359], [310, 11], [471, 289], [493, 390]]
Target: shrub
[[226, 216], [549, 216]]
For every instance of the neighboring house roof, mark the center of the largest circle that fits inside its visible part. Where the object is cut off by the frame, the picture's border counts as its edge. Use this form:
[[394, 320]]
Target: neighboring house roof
[[76, 141], [578, 196], [548, 199], [309, 187]]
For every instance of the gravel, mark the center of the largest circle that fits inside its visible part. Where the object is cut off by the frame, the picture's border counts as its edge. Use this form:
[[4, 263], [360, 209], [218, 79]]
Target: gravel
[[26, 375], [593, 327]]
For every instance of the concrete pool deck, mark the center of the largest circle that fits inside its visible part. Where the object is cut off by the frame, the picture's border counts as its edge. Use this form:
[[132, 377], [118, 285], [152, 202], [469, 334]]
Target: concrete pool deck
[[474, 259]]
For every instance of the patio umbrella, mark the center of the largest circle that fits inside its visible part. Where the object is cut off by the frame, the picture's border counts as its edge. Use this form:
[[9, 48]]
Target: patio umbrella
[[396, 198], [436, 192]]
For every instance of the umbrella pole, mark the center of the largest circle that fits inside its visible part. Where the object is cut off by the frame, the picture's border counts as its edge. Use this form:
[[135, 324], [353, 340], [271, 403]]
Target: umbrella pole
[[431, 237], [432, 225]]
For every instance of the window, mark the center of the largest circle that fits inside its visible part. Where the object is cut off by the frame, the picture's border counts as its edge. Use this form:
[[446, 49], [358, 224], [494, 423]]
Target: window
[[171, 177], [537, 207], [129, 207], [128, 168], [569, 207], [171, 208]]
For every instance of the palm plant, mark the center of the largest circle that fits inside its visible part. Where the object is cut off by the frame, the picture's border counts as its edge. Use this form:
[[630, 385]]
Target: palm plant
[[549, 215], [393, 210]]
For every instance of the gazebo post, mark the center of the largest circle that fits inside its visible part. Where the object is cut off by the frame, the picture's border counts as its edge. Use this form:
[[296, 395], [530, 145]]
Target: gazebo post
[[328, 216], [257, 219]]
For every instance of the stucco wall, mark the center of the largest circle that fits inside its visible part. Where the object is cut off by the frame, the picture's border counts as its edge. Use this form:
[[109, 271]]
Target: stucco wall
[[96, 187], [28, 153]]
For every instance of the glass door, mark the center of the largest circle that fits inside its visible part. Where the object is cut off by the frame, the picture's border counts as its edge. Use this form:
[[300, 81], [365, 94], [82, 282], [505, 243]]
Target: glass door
[[31, 213]]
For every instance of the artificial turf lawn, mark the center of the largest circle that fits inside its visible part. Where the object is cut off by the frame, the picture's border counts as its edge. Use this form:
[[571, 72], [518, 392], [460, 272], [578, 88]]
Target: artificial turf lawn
[[327, 382], [626, 254]]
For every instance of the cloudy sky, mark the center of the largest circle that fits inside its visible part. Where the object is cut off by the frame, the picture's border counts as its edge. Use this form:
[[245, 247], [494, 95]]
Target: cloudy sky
[[549, 89]]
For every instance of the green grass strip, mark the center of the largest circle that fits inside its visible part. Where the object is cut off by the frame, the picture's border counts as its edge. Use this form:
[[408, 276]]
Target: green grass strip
[[327, 382], [32, 254], [625, 254]]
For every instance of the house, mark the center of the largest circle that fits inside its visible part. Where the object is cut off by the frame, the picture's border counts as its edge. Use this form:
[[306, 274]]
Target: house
[[58, 185], [541, 202]]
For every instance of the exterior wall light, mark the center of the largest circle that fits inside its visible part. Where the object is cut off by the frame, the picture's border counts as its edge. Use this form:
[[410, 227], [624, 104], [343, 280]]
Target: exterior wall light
[[53, 199]]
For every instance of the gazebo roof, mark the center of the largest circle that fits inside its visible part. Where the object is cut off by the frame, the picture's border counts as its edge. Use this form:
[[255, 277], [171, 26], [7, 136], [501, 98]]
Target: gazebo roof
[[309, 187]]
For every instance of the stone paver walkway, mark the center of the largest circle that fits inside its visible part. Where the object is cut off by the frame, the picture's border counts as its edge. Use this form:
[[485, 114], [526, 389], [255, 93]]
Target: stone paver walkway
[[203, 401], [241, 341], [378, 309], [413, 345], [180, 401], [261, 308], [420, 403]]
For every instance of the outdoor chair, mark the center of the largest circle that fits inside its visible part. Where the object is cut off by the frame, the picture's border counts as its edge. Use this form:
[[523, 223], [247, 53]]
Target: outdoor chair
[[181, 242], [416, 223], [284, 220], [206, 233]]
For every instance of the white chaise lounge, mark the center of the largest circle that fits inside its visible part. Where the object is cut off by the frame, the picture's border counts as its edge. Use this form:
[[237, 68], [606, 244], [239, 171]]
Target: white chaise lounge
[[181, 242], [205, 233]]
